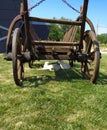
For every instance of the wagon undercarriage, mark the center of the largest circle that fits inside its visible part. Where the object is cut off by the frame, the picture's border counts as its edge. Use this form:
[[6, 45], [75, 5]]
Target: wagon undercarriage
[[28, 47]]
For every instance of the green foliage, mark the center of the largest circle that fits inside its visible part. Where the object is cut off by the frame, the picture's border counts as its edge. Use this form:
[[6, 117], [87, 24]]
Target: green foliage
[[102, 38], [57, 31], [64, 27], [50, 100]]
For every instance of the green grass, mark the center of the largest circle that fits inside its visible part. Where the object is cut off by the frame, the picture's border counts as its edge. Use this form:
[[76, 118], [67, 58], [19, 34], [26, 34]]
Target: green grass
[[52, 100]]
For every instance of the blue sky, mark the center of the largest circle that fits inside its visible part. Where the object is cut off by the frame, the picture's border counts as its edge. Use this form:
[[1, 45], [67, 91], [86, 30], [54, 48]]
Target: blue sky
[[97, 11]]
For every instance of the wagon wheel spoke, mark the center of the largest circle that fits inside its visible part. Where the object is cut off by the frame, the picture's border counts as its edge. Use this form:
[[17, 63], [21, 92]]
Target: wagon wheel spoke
[[20, 70], [90, 67]]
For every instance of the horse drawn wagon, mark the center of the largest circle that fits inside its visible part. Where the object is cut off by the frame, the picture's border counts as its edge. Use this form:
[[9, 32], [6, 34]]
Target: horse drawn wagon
[[26, 46]]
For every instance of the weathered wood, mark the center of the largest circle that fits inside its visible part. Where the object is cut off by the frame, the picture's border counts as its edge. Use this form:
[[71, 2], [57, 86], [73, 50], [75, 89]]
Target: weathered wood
[[52, 49], [55, 21], [53, 57], [56, 43], [70, 34]]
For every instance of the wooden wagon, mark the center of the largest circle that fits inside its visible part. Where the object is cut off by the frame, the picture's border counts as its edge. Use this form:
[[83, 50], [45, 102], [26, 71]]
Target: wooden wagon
[[27, 47]]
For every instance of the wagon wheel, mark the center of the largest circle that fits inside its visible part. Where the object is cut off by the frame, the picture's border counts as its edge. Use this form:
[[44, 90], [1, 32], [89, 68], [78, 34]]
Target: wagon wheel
[[17, 47], [90, 67]]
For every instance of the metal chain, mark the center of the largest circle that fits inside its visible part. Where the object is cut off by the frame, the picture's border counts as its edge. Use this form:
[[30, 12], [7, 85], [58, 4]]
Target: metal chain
[[37, 4], [41, 1], [70, 6]]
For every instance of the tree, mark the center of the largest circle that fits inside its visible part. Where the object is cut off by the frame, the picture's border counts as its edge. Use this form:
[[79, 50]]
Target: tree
[[102, 38], [57, 31]]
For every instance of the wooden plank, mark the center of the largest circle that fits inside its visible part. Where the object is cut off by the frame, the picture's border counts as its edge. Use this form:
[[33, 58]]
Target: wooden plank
[[53, 57], [55, 21], [53, 49], [56, 43], [70, 34]]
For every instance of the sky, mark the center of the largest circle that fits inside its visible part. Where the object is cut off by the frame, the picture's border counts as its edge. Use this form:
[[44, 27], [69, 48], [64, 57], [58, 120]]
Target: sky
[[97, 11]]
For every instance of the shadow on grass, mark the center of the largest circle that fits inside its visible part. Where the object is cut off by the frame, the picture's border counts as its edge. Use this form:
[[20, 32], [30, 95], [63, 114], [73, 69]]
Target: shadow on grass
[[102, 80], [61, 75]]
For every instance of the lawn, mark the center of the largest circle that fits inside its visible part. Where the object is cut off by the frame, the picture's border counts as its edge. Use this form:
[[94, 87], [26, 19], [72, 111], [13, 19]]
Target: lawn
[[50, 100]]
